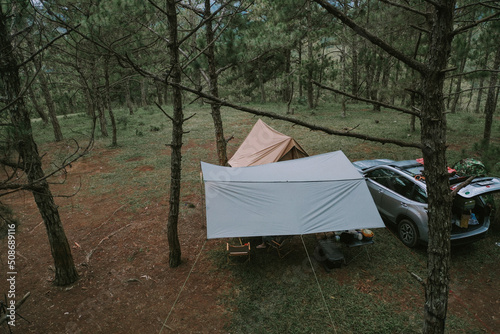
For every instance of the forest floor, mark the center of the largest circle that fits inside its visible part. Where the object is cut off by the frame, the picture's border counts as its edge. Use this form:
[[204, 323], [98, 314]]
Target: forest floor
[[126, 284], [121, 253]]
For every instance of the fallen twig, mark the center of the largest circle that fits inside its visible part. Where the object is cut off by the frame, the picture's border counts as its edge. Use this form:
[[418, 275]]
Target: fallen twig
[[36, 227], [87, 258], [18, 305], [418, 278], [107, 220]]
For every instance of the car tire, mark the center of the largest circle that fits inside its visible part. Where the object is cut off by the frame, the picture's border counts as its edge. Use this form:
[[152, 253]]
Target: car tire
[[408, 232]]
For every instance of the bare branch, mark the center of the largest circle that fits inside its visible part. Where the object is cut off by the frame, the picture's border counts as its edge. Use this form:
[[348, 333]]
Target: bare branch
[[47, 45], [461, 185], [5, 316], [471, 72], [164, 112], [416, 65], [296, 121], [475, 23], [407, 8], [434, 3], [382, 104], [419, 29]]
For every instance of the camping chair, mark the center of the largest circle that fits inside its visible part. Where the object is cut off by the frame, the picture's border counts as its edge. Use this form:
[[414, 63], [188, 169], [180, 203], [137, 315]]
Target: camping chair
[[238, 251], [281, 244], [361, 246]]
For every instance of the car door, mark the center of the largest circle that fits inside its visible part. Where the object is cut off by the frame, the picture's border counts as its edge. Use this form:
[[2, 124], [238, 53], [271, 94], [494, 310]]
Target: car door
[[396, 200], [381, 185], [378, 183]]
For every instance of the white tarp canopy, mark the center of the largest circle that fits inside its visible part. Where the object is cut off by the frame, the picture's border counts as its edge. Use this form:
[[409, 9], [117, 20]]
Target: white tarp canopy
[[315, 194]]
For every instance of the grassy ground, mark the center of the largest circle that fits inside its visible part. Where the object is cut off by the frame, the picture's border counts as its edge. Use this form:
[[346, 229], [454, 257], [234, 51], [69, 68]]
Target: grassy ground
[[374, 293]]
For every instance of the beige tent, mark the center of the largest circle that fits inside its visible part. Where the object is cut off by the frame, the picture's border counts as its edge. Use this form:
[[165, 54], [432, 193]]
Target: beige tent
[[264, 145]]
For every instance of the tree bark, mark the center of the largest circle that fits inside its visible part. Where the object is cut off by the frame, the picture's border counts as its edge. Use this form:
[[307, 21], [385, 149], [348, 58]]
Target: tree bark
[[128, 99], [49, 102], [144, 92], [300, 83], [214, 90], [262, 84], [101, 107], [433, 138], [458, 88], [114, 140], [51, 107], [176, 144], [287, 91], [480, 89], [491, 100], [37, 106], [309, 84], [65, 270]]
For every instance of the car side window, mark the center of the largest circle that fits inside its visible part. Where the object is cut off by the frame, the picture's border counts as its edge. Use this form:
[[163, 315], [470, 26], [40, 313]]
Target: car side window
[[402, 186], [380, 176], [419, 195], [398, 184]]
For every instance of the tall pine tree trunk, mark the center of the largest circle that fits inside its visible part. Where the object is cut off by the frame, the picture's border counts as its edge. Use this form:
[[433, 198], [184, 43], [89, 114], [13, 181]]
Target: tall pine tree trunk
[[31, 163], [49, 102], [440, 22], [214, 90], [176, 144], [309, 84], [101, 108], [491, 100], [37, 106], [477, 108], [433, 139], [114, 140], [144, 92], [458, 88], [128, 98]]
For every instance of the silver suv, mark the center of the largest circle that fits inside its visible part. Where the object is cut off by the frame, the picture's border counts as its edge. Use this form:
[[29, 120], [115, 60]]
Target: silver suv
[[399, 191]]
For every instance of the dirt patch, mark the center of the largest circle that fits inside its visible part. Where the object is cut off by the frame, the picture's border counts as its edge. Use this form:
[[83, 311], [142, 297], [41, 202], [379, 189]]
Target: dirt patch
[[135, 159], [126, 284], [146, 168]]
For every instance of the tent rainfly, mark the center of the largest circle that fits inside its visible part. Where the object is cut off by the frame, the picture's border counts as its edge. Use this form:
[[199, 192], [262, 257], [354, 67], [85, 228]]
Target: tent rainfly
[[264, 145], [315, 194]]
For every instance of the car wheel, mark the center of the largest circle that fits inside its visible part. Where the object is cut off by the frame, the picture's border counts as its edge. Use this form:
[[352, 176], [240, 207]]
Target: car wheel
[[408, 233]]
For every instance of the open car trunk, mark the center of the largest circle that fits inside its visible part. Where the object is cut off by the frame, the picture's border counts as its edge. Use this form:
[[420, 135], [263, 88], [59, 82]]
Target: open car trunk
[[474, 206]]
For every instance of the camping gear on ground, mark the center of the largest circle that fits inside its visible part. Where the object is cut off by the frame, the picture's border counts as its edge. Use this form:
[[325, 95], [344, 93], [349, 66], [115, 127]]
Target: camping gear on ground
[[367, 234], [281, 244], [238, 251], [265, 145], [314, 194], [328, 254]]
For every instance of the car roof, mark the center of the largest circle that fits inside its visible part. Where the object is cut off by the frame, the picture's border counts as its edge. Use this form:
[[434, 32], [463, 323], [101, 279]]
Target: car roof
[[365, 164], [478, 186]]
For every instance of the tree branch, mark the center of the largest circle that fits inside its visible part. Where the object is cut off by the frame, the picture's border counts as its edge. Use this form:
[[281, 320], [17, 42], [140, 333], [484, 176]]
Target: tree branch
[[47, 46], [296, 121], [385, 105], [472, 25], [414, 64], [407, 8], [18, 305], [461, 185]]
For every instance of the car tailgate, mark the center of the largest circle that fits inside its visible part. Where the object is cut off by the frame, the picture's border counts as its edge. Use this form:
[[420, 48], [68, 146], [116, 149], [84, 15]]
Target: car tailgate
[[480, 186]]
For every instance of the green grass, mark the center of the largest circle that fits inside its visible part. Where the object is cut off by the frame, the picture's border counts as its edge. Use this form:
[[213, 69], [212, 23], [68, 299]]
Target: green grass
[[273, 295]]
